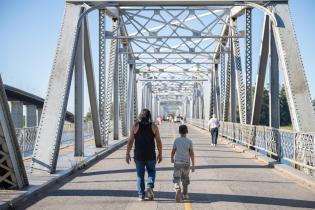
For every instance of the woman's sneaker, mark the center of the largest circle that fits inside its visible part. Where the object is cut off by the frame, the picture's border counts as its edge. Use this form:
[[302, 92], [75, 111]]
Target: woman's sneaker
[[150, 193], [177, 195]]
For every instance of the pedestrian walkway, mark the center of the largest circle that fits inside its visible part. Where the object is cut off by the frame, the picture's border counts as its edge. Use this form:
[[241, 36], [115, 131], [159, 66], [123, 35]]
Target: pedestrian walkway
[[224, 179]]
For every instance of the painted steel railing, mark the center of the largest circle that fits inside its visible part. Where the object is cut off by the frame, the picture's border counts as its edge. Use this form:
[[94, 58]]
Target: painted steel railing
[[27, 136], [296, 149]]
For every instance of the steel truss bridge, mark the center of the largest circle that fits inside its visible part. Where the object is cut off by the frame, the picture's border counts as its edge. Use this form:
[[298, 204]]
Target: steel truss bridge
[[170, 56]]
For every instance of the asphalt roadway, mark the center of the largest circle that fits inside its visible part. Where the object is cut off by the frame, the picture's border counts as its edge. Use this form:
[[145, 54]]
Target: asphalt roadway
[[224, 179]]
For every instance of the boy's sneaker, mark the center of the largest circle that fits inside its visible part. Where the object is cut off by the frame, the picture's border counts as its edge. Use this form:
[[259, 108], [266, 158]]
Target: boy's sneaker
[[177, 195], [186, 197], [150, 193], [140, 198]]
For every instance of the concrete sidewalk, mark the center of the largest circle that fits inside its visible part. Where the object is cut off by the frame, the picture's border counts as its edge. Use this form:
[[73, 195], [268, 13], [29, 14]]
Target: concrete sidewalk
[[224, 179], [67, 165]]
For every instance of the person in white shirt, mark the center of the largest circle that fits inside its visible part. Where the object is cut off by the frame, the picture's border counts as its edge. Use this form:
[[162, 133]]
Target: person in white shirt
[[213, 126]]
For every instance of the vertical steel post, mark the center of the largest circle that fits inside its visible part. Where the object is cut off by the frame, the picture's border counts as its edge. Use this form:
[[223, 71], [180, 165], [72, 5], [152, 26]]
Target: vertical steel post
[[222, 85], [123, 70], [274, 108], [241, 95], [130, 90], [79, 95], [248, 63], [227, 84], [116, 84], [262, 65], [143, 93], [233, 86], [212, 94], [102, 72], [113, 63], [88, 61], [217, 90], [135, 98]]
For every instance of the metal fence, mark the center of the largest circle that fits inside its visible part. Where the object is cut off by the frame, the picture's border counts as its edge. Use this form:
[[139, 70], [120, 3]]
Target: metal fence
[[27, 136], [296, 149]]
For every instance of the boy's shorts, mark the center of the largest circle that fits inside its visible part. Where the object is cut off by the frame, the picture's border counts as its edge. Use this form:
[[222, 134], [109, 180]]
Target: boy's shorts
[[181, 173]]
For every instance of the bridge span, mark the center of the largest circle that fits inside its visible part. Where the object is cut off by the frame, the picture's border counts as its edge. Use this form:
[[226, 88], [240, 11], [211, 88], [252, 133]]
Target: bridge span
[[224, 179], [183, 60]]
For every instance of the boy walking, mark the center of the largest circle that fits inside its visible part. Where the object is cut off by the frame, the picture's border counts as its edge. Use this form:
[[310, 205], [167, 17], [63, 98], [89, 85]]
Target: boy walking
[[183, 152]]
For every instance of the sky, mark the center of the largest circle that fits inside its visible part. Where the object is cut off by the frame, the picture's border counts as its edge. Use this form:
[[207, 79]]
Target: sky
[[29, 32]]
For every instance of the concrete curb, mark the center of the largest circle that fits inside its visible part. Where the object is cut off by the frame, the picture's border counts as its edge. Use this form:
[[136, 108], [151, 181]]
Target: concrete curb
[[294, 173], [33, 191]]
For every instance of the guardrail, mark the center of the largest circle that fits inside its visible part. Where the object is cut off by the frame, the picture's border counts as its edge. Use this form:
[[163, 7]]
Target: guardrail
[[27, 136], [296, 149]]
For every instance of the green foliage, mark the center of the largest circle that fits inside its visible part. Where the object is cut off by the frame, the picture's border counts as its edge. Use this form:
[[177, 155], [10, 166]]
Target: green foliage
[[285, 118], [264, 114], [88, 116]]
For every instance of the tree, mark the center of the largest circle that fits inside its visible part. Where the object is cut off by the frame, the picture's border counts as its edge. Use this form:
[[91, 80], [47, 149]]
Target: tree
[[88, 116], [285, 118], [264, 113]]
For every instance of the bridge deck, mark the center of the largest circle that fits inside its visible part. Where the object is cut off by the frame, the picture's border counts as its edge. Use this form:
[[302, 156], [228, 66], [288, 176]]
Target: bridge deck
[[224, 179]]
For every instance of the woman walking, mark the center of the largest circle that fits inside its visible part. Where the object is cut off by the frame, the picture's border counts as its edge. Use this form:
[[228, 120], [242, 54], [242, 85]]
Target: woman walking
[[213, 126], [144, 134]]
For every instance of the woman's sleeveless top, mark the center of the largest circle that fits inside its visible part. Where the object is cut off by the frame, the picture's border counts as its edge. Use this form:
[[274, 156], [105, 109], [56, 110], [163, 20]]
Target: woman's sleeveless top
[[144, 143]]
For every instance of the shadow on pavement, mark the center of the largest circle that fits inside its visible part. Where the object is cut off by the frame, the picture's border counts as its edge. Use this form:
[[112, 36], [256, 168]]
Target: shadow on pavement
[[133, 170], [194, 197]]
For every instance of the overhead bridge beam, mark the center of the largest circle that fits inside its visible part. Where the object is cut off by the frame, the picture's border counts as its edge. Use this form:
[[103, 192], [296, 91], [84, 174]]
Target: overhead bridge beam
[[172, 80], [109, 36], [174, 2]]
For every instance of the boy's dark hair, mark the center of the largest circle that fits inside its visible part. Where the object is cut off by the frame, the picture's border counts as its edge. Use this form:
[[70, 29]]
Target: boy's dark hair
[[183, 129]]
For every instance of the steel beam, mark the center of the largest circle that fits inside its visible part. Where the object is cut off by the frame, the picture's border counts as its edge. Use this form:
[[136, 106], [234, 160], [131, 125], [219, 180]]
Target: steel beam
[[274, 108], [241, 95], [222, 84], [227, 87], [102, 73], [91, 85], [174, 2], [112, 66], [298, 94], [217, 90], [172, 80], [123, 73], [79, 95], [13, 174], [117, 68], [135, 99], [248, 65], [109, 36], [212, 94], [260, 80], [233, 86], [130, 96], [49, 133]]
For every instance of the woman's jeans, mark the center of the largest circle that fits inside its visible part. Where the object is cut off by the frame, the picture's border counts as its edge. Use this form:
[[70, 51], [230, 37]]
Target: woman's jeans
[[214, 135], [141, 166]]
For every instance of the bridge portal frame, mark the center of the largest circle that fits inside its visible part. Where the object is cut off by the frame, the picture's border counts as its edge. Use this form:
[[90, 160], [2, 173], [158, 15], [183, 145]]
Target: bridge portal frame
[[45, 158]]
